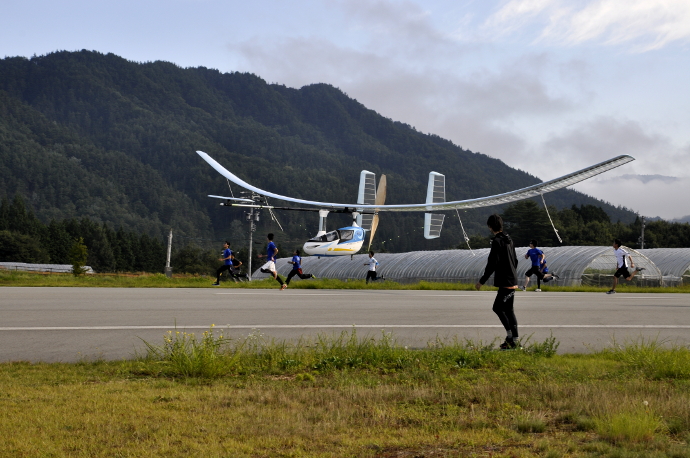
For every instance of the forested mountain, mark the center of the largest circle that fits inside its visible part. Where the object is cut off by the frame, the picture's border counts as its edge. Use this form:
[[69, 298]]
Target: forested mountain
[[88, 135]]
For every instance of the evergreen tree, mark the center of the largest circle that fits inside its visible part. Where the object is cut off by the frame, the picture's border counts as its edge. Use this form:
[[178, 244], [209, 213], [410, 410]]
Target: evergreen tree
[[524, 221], [78, 255], [123, 252], [194, 260], [58, 243], [16, 247]]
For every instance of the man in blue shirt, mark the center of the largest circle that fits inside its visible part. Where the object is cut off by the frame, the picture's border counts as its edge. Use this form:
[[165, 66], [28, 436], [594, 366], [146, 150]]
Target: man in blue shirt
[[235, 271], [545, 270], [537, 257], [227, 262], [270, 266], [297, 268]]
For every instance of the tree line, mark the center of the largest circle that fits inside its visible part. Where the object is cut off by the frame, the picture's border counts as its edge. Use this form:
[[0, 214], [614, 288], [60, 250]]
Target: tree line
[[24, 238], [582, 225]]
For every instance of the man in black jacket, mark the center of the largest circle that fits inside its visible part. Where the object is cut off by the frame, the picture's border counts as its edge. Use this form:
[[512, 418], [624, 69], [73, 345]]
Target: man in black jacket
[[503, 262]]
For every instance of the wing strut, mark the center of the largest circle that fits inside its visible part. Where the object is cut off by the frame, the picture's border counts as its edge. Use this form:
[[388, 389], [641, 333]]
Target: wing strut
[[464, 234], [552, 225]]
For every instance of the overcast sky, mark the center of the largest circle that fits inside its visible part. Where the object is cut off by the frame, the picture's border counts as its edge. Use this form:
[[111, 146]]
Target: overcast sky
[[547, 86]]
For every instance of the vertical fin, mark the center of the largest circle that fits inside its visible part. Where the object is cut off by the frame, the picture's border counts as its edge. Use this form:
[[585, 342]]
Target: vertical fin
[[323, 214], [366, 196], [435, 192]]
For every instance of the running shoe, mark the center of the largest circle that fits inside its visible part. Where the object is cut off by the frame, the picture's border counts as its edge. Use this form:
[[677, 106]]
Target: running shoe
[[283, 287], [522, 288], [313, 276], [556, 277], [537, 290], [510, 345], [613, 291], [215, 284], [639, 269]]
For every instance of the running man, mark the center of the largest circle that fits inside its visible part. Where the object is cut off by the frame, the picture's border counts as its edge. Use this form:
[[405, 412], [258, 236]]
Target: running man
[[622, 257], [503, 261], [372, 263], [270, 266], [227, 262], [297, 268], [545, 270], [235, 271], [538, 258]]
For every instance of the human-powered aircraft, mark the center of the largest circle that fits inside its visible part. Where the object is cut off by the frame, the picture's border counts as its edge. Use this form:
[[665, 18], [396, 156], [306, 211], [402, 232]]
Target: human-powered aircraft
[[370, 201]]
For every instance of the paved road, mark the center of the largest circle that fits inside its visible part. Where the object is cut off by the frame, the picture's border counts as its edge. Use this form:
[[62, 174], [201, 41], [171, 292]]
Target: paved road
[[69, 324]]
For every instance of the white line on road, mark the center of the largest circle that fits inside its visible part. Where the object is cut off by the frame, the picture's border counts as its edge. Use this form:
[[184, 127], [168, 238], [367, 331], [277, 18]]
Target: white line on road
[[341, 294], [322, 326], [431, 294]]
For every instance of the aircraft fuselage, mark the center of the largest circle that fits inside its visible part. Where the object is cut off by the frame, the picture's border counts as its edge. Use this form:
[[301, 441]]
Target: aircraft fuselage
[[341, 242]]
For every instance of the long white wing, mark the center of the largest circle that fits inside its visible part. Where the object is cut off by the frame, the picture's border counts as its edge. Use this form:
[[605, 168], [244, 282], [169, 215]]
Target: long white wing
[[524, 193], [238, 199]]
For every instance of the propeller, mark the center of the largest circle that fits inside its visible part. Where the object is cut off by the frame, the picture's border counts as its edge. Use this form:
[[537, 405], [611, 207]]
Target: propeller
[[380, 200]]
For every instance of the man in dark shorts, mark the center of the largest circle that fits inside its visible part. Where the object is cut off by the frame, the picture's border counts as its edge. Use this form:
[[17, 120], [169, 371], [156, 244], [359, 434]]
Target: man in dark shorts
[[235, 271], [622, 258], [371, 263], [537, 258], [502, 261], [297, 268], [545, 270], [227, 263]]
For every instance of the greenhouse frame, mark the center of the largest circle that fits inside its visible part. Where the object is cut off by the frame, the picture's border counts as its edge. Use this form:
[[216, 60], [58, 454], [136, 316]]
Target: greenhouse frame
[[57, 268], [575, 265], [674, 264]]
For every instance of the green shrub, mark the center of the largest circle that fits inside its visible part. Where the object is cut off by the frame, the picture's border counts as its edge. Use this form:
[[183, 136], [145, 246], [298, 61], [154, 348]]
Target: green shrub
[[530, 424], [637, 426], [654, 360], [183, 354]]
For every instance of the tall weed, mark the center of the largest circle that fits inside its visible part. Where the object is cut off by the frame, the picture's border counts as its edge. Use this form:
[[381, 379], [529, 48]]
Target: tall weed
[[633, 426], [184, 354], [654, 358]]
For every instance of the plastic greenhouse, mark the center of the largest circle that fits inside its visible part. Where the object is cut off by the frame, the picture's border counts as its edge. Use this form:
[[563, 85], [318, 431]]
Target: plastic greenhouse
[[40, 267], [576, 265], [674, 264]]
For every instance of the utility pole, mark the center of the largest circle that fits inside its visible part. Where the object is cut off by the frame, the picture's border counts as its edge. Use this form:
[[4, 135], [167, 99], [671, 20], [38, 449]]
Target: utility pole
[[168, 269], [253, 217], [642, 236]]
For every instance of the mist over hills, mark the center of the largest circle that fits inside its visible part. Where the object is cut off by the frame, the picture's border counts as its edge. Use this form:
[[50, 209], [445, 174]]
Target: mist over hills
[[85, 134]]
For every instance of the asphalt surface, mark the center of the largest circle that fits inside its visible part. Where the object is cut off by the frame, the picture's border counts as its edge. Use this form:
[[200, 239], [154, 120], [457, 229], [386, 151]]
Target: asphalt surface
[[72, 324]]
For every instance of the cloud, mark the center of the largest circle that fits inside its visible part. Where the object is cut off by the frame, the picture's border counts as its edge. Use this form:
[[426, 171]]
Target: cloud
[[650, 197], [643, 24], [605, 137], [651, 185], [475, 109], [394, 21]]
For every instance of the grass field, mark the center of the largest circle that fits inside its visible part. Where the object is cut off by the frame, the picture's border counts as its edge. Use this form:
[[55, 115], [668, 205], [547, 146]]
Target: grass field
[[18, 278], [210, 396], [349, 396]]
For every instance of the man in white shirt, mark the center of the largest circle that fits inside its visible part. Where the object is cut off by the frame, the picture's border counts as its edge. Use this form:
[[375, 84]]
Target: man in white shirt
[[372, 263], [622, 257]]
